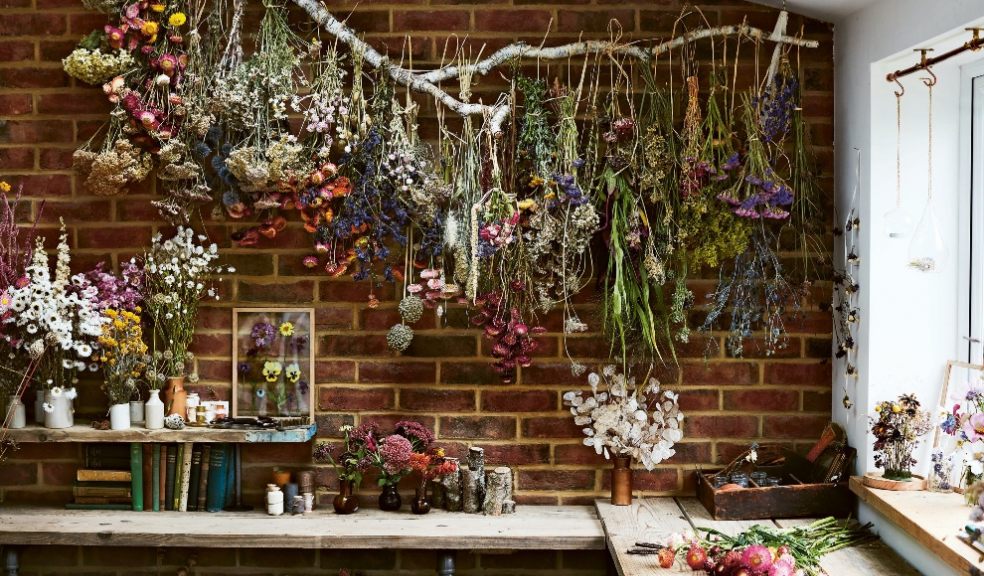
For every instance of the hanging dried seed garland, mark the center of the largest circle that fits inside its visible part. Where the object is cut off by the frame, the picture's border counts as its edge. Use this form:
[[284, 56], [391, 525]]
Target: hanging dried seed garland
[[504, 220]]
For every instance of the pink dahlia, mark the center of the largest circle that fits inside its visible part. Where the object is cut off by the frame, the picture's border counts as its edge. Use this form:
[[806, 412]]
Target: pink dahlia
[[757, 558], [395, 451]]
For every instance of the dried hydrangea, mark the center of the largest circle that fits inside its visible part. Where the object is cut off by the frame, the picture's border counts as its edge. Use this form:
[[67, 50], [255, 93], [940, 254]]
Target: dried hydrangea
[[95, 66], [411, 308], [399, 337]]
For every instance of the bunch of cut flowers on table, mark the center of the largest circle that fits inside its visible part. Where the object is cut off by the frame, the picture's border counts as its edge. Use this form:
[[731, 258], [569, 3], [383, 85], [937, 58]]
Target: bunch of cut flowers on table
[[760, 551], [620, 417], [353, 460]]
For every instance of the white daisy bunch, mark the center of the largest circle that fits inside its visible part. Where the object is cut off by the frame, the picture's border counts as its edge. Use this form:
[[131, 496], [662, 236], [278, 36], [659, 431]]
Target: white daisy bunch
[[53, 319], [178, 274], [621, 418]]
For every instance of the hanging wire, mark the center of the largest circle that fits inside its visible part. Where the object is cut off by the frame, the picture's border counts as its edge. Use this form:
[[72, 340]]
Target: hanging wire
[[898, 145], [930, 82]]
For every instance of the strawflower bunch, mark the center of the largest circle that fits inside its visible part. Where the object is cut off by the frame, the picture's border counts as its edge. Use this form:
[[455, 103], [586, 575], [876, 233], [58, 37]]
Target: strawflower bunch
[[122, 353], [622, 418], [431, 465], [897, 426], [178, 273], [762, 551]]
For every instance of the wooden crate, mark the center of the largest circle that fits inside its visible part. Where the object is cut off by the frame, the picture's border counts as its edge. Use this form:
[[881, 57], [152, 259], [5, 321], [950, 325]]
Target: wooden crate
[[794, 499]]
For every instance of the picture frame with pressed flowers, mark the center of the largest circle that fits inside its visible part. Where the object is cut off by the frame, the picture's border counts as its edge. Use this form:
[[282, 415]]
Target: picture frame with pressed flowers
[[273, 362]]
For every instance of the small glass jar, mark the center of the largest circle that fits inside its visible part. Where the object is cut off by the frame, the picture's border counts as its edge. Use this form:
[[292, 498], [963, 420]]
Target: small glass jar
[[719, 481], [773, 481], [740, 478], [940, 472], [759, 477]]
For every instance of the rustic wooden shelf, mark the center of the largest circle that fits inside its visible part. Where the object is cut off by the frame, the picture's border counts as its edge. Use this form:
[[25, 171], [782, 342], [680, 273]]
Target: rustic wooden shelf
[[931, 518], [530, 528], [32, 434]]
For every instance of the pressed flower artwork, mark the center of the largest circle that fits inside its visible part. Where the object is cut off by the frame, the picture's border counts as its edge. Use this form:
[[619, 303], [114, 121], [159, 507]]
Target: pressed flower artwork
[[273, 362]]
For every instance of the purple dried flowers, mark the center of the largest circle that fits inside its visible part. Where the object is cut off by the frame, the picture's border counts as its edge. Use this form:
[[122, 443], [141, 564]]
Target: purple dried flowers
[[394, 455], [418, 434], [262, 334]]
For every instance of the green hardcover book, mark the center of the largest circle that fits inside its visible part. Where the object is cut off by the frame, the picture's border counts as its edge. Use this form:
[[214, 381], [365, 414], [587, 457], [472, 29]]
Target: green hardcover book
[[172, 456], [178, 467], [195, 477], [136, 475], [156, 471]]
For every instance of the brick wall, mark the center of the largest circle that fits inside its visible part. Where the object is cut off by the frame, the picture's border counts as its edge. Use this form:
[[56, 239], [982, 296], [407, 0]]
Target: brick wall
[[443, 379]]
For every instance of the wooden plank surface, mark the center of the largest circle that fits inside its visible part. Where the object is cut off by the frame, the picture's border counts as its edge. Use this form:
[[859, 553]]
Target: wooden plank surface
[[864, 560], [931, 518], [645, 520], [699, 517], [80, 433], [530, 528]]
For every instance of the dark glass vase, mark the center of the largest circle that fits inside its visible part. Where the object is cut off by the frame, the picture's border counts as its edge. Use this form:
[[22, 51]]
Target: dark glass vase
[[389, 498], [347, 501], [420, 504]]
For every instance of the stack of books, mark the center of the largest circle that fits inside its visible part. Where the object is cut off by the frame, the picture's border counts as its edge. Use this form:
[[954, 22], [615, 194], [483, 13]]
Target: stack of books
[[180, 477]]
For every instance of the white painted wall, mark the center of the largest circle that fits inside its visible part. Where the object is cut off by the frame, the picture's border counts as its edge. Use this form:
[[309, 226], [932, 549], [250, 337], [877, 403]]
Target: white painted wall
[[910, 319]]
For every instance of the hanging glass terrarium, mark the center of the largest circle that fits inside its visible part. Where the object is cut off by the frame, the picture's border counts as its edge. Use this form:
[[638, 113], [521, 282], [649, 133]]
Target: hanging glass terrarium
[[898, 222], [927, 250]]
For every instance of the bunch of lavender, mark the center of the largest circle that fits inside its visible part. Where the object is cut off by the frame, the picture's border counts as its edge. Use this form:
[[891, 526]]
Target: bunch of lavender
[[778, 103]]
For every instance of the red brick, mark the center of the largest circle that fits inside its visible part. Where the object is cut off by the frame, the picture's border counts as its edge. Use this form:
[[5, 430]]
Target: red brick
[[211, 345], [555, 480], [719, 373], [426, 20], [379, 318], [58, 473], [387, 422], [440, 346], [35, 131], [575, 21], [115, 237], [347, 290], [701, 399], [659, 480], [280, 292], [814, 401], [478, 427], [334, 371], [43, 185], [333, 318], [35, 78], [34, 24], [338, 398], [800, 427], [813, 374], [56, 158], [78, 211], [391, 372], [16, 51], [72, 104], [19, 474], [761, 400], [513, 20], [16, 158], [430, 400], [468, 373], [550, 427], [516, 401], [721, 427], [15, 104]]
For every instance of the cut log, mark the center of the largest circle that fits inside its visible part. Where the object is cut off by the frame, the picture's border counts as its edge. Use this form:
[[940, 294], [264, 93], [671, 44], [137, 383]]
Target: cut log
[[473, 481], [449, 489], [497, 491]]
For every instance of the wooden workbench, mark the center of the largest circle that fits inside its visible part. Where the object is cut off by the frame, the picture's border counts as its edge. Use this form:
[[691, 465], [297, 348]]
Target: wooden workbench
[[654, 519]]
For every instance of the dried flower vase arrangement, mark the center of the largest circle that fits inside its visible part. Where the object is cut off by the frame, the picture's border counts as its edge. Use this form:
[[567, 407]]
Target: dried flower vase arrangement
[[897, 426]]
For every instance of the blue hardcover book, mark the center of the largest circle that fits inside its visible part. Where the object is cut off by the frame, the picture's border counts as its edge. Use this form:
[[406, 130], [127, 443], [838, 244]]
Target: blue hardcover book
[[217, 472], [156, 473], [136, 475]]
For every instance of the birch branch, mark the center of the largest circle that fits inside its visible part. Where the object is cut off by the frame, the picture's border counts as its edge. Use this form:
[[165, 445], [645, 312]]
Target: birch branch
[[495, 115]]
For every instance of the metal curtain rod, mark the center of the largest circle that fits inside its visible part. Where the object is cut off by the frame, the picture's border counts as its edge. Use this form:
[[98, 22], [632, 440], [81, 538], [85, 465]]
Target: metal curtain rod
[[925, 63]]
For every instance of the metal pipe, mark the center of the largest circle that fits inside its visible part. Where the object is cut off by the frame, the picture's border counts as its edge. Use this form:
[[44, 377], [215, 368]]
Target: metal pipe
[[12, 561], [445, 563], [973, 44]]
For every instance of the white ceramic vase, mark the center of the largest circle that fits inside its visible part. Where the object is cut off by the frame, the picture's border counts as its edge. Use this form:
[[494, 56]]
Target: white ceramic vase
[[136, 411], [61, 412], [17, 412], [154, 411], [119, 417]]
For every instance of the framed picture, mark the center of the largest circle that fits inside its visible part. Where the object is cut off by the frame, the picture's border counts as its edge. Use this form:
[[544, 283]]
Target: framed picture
[[273, 362]]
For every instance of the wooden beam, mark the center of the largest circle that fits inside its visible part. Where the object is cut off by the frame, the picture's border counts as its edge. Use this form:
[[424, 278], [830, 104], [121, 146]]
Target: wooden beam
[[33, 434]]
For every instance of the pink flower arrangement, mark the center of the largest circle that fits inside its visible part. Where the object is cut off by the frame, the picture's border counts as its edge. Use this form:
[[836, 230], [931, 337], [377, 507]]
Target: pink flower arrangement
[[394, 455]]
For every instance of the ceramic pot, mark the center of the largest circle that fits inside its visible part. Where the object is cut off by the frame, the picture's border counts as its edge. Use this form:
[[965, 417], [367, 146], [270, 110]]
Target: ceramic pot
[[420, 504], [347, 501], [62, 413], [622, 481], [281, 477], [119, 417], [175, 397], [136, 411], [154, 411], [389, 498], [16, 412]]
